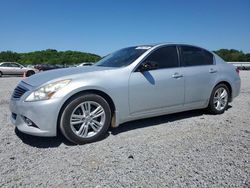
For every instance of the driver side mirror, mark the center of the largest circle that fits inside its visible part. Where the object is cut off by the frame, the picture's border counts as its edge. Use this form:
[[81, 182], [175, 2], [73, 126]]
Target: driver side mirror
[[147, 66]]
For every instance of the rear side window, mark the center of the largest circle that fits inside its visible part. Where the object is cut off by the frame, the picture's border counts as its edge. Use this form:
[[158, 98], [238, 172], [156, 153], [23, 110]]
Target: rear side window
[[4, 65], [193, 56], [165, 57]]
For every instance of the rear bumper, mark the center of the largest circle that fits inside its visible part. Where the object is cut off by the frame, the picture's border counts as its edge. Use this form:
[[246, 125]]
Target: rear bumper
[[236, 88]]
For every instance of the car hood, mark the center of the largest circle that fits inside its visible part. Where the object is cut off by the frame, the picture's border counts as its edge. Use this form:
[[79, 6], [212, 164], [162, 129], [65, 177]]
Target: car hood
[[64, 73]]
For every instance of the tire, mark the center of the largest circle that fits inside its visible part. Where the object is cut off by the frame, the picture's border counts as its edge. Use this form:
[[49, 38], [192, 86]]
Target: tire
[[218, 102], [1, 74], [76, 119], [29, 73]]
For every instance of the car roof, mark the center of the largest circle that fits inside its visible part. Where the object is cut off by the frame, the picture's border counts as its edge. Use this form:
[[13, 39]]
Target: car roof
[[174, 43], [167, 43]]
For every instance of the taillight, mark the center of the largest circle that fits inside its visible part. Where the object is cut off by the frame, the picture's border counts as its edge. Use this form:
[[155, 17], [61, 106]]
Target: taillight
[[237, 70]]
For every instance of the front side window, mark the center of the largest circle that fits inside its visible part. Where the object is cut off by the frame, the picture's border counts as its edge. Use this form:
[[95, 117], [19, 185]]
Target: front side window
[[14, 65], [164, 57], [123, 57], [193, 56]]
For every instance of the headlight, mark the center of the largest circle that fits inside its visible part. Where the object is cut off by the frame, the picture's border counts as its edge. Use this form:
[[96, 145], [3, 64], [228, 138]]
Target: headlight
[[47, 91]]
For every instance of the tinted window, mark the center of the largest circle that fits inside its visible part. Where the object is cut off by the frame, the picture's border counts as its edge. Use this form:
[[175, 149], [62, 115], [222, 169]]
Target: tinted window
[[5, 65], [165, 57], [192, 56], [14, 65]]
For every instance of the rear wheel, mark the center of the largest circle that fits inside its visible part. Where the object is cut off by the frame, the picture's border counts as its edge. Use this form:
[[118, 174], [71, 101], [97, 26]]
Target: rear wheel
[[85, 119], [29, 73], [218, 102], [1, 74]]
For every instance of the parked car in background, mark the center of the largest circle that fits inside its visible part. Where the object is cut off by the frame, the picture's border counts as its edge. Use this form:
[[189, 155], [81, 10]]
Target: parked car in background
[[133, 83], [86, 64], [13, 68], [241, 65], [45, 67]]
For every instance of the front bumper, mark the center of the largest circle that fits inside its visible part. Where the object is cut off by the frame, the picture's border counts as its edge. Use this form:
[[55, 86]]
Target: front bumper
[[43, 114]]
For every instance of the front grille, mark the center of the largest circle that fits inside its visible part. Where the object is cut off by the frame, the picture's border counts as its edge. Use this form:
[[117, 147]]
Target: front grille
[[18, 92]]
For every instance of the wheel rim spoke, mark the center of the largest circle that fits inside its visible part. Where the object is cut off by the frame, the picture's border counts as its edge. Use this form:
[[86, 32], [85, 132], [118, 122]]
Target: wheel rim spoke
[[84, 131], [223, 94], [97, 112], [96, 125], [81, 128], [77, 117], [76, 122], [218, 105]]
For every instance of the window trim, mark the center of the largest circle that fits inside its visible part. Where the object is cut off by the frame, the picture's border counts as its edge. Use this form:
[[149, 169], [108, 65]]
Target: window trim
[[181, 55], [161, 46]]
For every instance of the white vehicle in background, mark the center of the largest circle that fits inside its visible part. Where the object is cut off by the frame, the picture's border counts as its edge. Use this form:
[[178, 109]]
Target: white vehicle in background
[[241, 65], [85, 64], [13, 68]]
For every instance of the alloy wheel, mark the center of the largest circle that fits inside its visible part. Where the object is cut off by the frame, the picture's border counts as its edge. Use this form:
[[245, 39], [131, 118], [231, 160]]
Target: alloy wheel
[[220, 98], [87, 119]]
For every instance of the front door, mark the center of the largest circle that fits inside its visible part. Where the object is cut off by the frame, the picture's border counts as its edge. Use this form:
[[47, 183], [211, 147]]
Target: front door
[[160, 88]]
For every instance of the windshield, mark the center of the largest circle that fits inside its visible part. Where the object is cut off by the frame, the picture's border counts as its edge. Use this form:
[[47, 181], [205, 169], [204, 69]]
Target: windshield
[[123, 57]]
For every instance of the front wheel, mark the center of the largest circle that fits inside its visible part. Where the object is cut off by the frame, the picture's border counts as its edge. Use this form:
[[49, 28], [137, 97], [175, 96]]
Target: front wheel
[[85, 119], [218, 102]]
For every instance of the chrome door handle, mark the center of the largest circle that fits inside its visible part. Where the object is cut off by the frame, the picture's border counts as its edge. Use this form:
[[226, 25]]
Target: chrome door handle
[[212, 70], [177, 75]]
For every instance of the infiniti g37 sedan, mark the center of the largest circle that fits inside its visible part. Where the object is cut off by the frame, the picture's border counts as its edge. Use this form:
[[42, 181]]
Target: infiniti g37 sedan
[[132, 83]]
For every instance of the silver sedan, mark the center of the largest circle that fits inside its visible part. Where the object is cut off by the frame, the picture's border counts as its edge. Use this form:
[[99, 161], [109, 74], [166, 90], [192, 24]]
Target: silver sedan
[[132, 83], [13, 68]]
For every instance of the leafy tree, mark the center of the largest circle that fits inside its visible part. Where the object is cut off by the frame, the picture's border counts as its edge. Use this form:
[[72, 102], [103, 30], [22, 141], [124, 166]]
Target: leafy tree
[[232, 55], [9, 56], [49, 56]]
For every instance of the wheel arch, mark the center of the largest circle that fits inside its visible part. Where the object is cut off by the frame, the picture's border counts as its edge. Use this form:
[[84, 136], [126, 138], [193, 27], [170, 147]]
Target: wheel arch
[[228, 86], [89, 91]]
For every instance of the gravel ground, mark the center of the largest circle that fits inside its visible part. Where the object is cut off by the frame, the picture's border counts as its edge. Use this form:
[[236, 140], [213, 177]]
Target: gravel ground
[[190, 149]]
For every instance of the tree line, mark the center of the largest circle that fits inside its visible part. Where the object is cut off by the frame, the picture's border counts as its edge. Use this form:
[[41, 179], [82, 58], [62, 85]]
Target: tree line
[[233, 55], [51, 56]]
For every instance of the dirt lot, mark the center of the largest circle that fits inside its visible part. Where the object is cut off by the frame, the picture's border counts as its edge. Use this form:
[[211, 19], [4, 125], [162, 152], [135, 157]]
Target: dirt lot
[[181, 150]]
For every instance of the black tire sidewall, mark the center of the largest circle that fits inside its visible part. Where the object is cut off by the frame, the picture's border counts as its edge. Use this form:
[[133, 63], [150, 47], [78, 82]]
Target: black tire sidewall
[[30, 73], [73, 103], [211, 106]]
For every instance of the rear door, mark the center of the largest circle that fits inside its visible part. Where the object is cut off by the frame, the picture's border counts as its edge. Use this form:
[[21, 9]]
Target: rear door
[[17, 69], [157, 89], [200, 72]]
